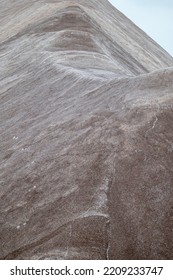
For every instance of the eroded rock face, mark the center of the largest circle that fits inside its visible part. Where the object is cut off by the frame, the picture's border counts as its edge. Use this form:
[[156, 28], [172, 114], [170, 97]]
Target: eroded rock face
[[86, 134]]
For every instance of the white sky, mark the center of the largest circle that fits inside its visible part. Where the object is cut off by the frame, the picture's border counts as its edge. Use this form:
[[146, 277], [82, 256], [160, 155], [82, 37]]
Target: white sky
[[155, 17]]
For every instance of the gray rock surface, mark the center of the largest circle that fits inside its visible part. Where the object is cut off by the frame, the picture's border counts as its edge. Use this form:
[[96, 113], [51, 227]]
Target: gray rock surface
[[86, 102]]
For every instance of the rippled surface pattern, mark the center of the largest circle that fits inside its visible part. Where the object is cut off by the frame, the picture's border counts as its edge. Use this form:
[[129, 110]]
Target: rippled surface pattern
[[86, 106]]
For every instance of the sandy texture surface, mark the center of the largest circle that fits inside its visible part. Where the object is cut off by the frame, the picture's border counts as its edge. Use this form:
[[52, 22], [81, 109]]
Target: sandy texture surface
[[86, 104]]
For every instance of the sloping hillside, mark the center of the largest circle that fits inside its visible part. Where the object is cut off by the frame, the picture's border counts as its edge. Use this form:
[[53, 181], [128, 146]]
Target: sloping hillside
[[86, 102]]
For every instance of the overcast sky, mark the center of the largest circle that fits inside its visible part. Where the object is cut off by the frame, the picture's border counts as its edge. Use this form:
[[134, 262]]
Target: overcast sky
[[155, 17]]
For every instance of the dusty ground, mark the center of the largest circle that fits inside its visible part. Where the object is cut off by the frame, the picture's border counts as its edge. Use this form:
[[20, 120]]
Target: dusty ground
[[86, 144]]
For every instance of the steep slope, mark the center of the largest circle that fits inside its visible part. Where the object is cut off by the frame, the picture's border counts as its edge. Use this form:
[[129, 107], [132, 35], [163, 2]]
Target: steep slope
[[88, 27], [86, 125]]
